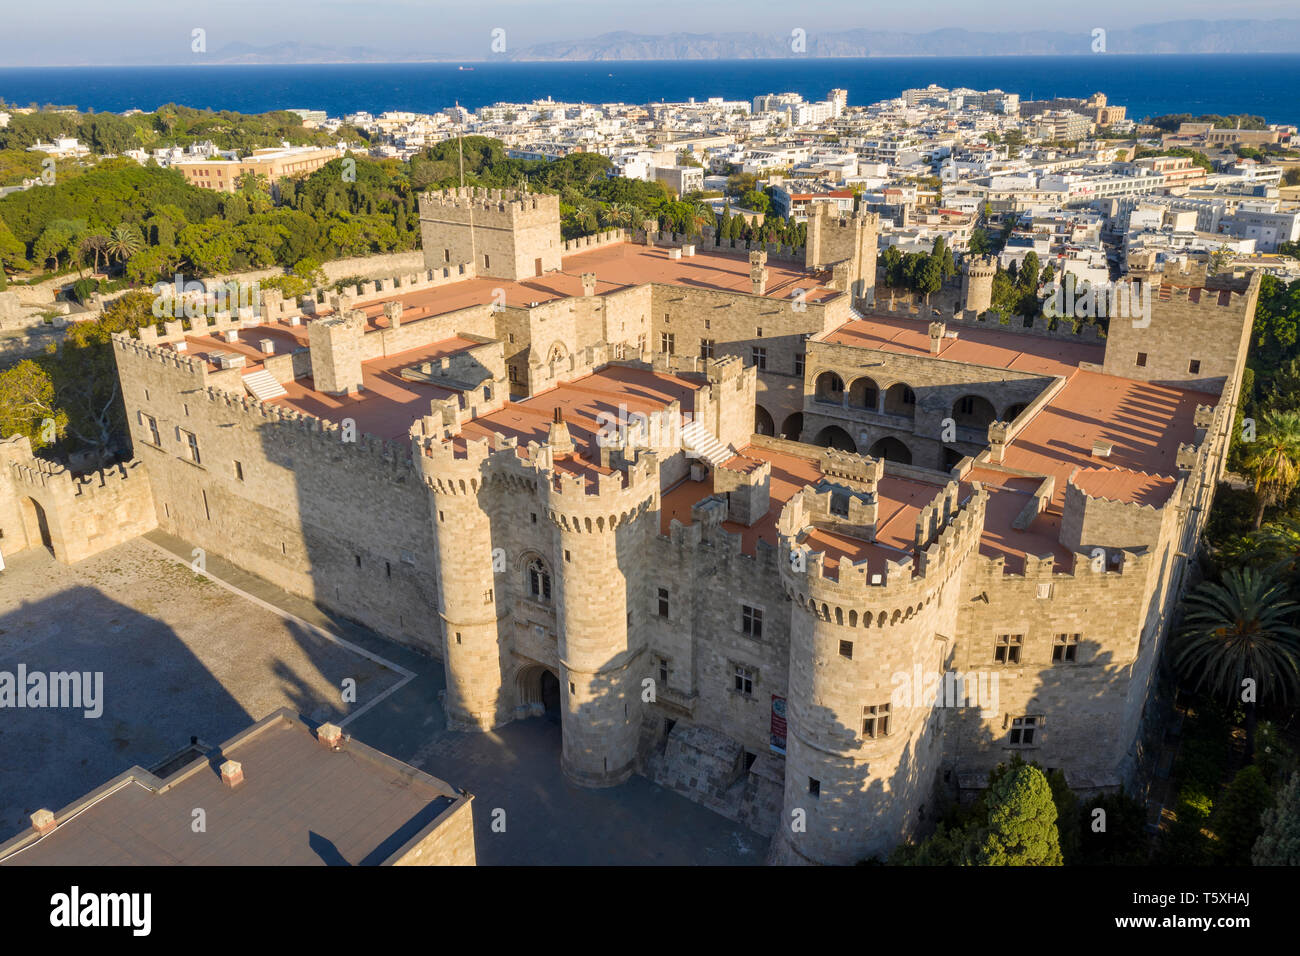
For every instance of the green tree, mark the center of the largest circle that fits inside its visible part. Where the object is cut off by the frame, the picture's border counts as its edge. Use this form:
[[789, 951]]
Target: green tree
[[1021, 828], [12, 253], [1273, 459], [124, 242], [1240, 631], [27, 401], [1238, 818], [1279, 843]]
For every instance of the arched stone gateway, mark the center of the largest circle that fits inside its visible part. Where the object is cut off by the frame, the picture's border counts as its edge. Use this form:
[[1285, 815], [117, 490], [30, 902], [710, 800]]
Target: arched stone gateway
[[539, 692], [763, 423], [832, 436]]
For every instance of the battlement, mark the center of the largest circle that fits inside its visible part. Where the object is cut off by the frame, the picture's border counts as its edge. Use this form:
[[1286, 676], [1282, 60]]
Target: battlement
[[510, 204], [274, 307], [852, 466], [168, 358], [606, 238], [573, 499], [1041, 326], [28, 470], [303, 427], [877, 592], [982, 266]]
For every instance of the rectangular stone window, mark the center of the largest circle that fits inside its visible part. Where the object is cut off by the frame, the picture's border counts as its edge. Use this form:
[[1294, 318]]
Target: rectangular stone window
[[1142, 360], [1065, 648], [875, 721], [663, 671], [1007, 648], [706, 348], [799, 363], [191, 446], [663, 602], [1194, 367], [239, 471], [152, 424], [846, 649], [814, 788], [1023, 730], [667, 342], [744, 678], [760, 358], [751, 621]]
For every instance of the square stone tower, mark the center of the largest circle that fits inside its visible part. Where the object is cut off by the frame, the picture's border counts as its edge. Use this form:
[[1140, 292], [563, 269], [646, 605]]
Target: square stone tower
[[844, 239], [505, 234]]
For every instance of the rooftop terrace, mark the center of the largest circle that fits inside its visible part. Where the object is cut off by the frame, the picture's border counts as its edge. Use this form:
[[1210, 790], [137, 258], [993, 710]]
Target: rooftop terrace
[[300, 804]]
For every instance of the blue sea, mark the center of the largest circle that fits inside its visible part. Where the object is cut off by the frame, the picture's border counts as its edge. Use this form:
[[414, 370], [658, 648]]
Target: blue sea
[[1263, 84]]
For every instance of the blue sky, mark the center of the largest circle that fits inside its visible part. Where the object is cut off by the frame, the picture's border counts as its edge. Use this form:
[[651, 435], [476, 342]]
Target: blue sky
[[96, 31]]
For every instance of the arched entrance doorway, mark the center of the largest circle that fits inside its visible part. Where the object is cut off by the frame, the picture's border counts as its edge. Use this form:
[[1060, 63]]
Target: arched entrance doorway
[[550, 694], [763, 424], [36, 524], [539, 693]]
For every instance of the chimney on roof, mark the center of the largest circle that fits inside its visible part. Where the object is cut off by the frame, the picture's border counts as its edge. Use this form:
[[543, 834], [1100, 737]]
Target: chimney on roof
[[589, 283], [393, 312], [758, 271], [267, 346], [558, 438], [43, 821], [999, 432], [331, 735], [1102, 448], [231, 335], [232, 773], [937, 330]]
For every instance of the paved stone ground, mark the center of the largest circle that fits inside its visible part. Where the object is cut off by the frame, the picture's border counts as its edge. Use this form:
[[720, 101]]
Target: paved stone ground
[[180, 657], [183, 655]]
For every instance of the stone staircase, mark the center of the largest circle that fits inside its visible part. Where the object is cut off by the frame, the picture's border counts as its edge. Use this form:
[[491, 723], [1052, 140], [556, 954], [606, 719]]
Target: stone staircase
[[699, 442], [262, 385]]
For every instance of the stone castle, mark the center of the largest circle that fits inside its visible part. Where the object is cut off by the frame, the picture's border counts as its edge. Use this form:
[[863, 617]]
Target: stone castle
[[813, 562]]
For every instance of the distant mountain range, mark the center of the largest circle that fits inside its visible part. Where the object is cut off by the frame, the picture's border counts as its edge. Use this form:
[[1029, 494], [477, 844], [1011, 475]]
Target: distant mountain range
[[1179, 36]]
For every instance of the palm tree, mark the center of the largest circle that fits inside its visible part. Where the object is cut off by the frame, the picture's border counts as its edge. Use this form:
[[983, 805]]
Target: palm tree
[[1278, 545], [124, 242], [1237, 631], [96, 245], [617, 214], [1274, 459]]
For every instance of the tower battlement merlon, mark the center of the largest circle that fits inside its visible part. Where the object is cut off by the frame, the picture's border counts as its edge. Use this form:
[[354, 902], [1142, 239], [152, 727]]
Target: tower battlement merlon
[[946, 545]]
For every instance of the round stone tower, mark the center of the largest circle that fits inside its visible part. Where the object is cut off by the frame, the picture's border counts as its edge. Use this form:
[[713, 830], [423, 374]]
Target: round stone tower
[[601, 528], [467, 593], [977, 287], [869, 643]]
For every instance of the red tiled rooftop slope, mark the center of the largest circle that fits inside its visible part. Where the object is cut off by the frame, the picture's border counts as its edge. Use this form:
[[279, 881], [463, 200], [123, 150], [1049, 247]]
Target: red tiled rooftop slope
[[388, 404], [989, 347], [618, 265], [1144, 422]]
